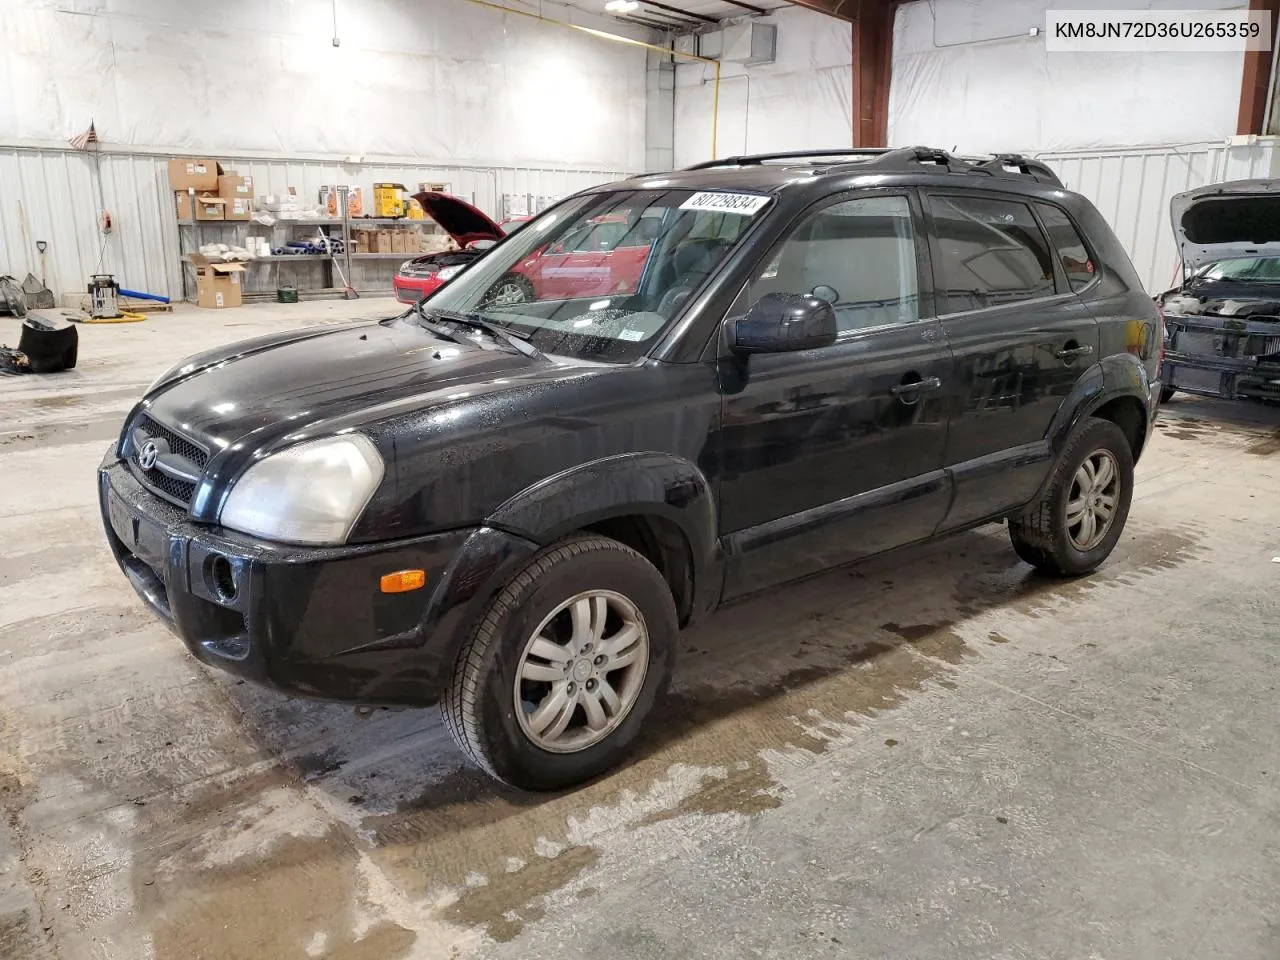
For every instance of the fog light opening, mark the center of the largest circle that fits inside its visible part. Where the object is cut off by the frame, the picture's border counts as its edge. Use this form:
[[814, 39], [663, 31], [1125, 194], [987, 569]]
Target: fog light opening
[[223, 578]]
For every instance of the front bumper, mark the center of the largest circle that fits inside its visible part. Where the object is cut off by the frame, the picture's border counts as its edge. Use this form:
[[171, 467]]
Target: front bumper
[[311, 622], [413, 289], [1222, 357]]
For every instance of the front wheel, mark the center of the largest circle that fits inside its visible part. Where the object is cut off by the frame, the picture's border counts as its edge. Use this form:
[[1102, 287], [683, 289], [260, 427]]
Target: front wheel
[[554, 683], [1075, 524]]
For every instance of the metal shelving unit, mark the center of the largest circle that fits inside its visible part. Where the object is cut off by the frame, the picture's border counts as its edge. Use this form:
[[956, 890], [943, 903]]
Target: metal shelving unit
[[192, 234]]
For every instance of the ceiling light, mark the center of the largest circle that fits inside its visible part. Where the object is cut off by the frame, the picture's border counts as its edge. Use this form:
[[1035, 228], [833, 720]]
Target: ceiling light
[[621, 6]]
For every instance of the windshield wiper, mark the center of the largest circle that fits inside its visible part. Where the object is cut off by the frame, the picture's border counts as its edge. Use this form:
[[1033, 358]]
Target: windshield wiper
[[518, 341], [442, 332]]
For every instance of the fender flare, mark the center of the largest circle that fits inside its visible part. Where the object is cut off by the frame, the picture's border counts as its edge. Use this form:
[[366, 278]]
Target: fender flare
[[1119, 375], [655, 484]]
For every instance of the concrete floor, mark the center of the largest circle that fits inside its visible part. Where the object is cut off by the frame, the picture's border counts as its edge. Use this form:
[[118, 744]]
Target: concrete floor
[[936, 755]]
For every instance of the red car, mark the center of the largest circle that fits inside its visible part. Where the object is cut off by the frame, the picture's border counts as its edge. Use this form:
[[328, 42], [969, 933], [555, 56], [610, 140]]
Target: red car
[[605, 256], [470, 229]]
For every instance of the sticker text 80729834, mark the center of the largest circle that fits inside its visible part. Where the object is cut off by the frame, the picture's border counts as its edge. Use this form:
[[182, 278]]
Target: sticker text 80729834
[[743, 204]]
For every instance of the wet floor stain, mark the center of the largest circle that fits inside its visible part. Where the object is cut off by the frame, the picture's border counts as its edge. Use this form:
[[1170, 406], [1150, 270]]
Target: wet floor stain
[[1266, 446], [305, 893], [1139, 556], [747, 789], [22, 938], [59, 403], [506, 901], [104, 429]]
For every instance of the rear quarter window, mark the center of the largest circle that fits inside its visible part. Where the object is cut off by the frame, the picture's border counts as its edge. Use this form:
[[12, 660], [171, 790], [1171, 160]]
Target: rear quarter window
[[1067, 244]]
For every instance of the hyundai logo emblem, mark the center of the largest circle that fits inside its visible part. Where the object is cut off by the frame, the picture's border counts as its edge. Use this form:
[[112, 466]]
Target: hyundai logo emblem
[[148, 454]]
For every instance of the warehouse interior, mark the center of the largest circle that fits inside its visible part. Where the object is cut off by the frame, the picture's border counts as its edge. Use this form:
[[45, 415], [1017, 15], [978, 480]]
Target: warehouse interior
[[936, 753]]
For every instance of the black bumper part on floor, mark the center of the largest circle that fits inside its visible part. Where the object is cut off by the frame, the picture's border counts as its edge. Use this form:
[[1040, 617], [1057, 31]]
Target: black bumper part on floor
[[308, 621]]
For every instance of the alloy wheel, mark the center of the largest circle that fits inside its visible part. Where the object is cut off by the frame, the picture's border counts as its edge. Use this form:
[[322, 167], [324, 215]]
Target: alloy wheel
[[581, 671], [1091, 504]]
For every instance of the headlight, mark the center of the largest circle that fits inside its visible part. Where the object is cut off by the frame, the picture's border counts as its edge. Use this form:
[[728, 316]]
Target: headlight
[[447, 272], [311, 494]]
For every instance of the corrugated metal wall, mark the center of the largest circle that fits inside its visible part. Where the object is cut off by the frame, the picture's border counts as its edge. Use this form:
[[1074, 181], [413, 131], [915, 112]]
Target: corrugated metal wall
[[53, 195], [1132, 188]]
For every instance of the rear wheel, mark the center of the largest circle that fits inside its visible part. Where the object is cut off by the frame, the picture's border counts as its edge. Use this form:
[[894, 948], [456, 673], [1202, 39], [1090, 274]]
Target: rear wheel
[[555, 681], [1075, 524]]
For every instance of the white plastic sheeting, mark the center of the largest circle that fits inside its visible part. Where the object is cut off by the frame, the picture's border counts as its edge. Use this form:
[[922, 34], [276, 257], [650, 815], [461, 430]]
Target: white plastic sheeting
[[437, 80], [802, 100], [1132, 189], [52, 195], [967, 75]]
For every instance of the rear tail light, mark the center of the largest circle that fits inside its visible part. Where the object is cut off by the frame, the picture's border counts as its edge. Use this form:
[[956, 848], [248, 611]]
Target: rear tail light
[[1164, 339]]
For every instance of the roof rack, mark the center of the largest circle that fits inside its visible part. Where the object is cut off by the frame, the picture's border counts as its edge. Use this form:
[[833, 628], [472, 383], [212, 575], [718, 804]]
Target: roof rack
[[903, 159]]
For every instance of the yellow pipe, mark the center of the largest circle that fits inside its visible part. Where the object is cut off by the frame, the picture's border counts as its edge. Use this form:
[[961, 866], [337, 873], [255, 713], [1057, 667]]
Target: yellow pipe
[[604, 35]]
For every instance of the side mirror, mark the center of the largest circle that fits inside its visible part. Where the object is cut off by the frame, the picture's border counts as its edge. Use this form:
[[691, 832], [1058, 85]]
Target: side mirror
[[782, 322]]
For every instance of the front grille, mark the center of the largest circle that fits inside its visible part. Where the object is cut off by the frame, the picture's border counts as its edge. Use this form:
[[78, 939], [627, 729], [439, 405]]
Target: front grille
[[171, 488]]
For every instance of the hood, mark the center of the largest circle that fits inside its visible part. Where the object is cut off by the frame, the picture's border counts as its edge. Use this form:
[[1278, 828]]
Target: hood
[[1226, 220], [459, 219], [340, 378]]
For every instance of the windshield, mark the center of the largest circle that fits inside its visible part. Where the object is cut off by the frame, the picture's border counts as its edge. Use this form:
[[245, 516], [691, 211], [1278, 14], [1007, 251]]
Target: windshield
[[599, 277], [1243, 269]]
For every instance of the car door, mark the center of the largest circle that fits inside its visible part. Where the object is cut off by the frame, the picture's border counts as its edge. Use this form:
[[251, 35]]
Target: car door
[[626, 261], [1020, 339], [574, 267], [833, 454]]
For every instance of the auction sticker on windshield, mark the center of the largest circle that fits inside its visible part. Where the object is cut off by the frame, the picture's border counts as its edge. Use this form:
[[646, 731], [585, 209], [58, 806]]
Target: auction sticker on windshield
[[744, 204]]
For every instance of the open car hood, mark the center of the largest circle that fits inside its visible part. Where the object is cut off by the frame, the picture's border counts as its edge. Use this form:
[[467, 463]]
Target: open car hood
[[459, 219], [1226, 220]]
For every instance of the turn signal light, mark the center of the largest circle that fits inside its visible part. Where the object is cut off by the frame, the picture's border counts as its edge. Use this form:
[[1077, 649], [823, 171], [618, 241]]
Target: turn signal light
[[402, 581]]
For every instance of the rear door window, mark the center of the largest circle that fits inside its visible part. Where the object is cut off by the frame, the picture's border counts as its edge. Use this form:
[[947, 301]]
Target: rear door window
[[990, 252], [1072, 253]]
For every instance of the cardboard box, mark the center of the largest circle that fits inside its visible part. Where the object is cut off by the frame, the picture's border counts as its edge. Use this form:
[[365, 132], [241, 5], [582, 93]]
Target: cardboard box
[[388, 200], [191, 173], [381, 242], [217, 284], [231, 185], [210, 207], [398, 238], [238, 208], [183, 206], [286, 203]]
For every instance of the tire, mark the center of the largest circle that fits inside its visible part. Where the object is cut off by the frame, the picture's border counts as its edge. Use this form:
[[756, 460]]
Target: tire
[[1166, 394], [510, 288], [495, 727], [1042, 534]]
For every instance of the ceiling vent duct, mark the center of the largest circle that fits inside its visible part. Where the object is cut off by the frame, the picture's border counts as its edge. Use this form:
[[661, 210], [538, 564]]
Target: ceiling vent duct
[[748, 43]]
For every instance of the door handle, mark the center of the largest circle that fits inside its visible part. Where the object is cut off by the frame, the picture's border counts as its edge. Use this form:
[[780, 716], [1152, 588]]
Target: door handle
[[916, 386], [1070, 353]]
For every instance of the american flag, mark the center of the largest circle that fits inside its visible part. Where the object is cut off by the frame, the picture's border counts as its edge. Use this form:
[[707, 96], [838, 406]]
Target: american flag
[[81, 141]]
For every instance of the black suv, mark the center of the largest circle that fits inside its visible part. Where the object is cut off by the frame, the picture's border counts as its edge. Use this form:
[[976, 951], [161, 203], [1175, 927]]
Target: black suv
[[513, 507]]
